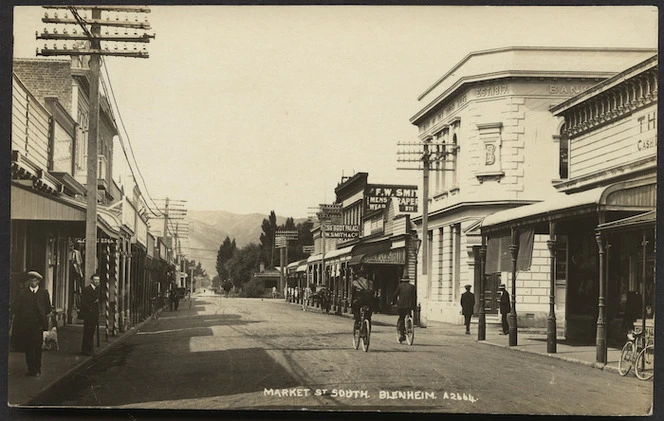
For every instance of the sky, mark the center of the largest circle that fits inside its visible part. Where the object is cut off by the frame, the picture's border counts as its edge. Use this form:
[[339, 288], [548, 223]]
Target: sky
[[257, 108]]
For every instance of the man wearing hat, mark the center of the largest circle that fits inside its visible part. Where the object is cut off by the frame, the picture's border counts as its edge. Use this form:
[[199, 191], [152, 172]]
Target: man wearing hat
[[90, 314], [362, 293], [404, 296], [29, 311], [505, 308], [467, 306]]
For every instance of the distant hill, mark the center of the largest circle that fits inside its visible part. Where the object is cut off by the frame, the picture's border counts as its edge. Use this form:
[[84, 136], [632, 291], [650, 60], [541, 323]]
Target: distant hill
[[208, 229]]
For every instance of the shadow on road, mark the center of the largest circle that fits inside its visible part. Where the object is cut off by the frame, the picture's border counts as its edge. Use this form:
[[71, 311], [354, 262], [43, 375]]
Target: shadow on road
[[184, 376], [195, 321]]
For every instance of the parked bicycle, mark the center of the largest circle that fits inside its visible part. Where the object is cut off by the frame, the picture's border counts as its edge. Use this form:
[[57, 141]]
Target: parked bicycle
[[644, 367], [630, 356], [406, 329], [362, 330]]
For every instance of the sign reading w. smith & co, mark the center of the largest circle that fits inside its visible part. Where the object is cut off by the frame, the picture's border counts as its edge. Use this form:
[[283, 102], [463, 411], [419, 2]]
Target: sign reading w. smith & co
[[377, 196], [345, 231]]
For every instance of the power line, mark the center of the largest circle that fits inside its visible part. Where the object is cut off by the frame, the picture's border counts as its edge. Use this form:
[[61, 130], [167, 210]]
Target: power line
[[124, 151], [131, 149], [82, 23]]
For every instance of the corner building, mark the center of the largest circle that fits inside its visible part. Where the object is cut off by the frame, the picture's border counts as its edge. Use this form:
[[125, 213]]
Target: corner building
[[500, 148]]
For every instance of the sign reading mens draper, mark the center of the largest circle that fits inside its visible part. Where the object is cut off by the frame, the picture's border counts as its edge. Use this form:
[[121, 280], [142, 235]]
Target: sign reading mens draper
[[377, 196]]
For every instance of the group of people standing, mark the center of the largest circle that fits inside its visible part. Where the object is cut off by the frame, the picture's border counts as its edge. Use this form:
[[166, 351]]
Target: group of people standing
[[468, 305], [30, 310]]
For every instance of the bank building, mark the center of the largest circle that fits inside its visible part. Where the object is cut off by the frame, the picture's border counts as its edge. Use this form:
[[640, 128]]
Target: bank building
[[502, 142]]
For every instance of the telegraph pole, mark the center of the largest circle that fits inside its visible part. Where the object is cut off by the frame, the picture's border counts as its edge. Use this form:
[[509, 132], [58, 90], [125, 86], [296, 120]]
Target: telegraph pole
[[91, 34], [421, 152], [93, 152], [174, 210], [281, 239], [165, 235]]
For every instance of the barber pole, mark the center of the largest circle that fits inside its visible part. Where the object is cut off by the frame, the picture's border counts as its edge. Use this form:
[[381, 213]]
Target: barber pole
[[108, 272], [116, 274]]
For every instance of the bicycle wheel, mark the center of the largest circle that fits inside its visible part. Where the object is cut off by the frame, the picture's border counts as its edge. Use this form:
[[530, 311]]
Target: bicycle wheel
[[626, 358], [399, 330], [356, 335], [366, 335], [410, 330], [644, 367]]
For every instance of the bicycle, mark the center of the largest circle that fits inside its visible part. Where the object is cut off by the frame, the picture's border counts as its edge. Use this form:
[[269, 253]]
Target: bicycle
[[636, 342], [406, 329], [362, 330], [644, 367]]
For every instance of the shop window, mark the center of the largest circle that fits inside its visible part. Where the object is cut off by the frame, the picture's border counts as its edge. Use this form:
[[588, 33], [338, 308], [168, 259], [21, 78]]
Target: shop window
[[561, 259], [582, 284]]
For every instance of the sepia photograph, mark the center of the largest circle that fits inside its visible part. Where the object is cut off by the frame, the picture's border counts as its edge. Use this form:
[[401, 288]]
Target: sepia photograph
[[287, 209]]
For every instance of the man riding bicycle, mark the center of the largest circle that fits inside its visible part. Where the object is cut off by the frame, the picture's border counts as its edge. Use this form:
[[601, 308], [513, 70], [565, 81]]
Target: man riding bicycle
[[362, 294], [405, 298]]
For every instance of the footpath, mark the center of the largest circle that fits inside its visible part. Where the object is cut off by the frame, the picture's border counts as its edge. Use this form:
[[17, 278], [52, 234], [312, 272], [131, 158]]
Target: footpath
[[531, 340], [57, 364]]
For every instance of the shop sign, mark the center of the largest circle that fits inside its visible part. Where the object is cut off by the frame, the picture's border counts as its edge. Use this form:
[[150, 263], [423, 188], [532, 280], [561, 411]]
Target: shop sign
[[141, 231], [378, 196], [329, 211], [308, 249], [390, 257], [287, 234], [344, 231]]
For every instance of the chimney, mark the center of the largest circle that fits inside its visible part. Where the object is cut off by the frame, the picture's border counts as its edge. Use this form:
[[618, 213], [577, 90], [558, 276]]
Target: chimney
[[261, 267]]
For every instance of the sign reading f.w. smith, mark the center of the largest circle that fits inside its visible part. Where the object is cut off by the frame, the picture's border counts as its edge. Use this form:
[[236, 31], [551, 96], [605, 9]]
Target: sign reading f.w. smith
[[377, 196]]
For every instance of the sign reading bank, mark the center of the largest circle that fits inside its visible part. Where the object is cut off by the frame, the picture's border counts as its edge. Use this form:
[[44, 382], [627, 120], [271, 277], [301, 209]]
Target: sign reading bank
[[377, 196]]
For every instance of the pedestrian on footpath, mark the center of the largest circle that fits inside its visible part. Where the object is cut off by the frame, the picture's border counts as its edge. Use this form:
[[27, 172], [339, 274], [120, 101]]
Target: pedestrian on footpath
[[305, 298], [505, 308], [173, 298], [90, 314], [29, 315], [274, 292], [467, 307]]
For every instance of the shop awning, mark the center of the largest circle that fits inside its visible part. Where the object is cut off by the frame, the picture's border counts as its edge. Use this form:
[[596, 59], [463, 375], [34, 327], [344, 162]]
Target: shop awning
[[629, 195], [28, 204], [363, 249], [338, 252], [643, 220], [109, 223]]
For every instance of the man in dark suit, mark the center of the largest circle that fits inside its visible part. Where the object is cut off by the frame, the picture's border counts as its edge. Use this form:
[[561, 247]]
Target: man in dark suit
[[404, 296], [29, 311], [362, 293], [467, 306], [90, 314], [505, 308]]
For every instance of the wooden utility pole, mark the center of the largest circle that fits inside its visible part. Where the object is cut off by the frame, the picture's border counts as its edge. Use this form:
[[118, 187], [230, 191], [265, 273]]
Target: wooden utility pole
[[421, 152], [93, 152], [165, 234], [91, 33]]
